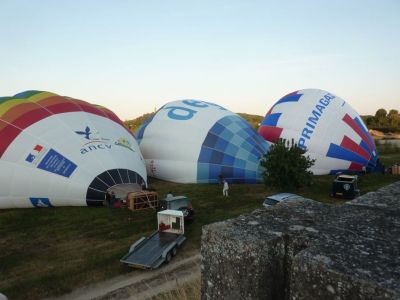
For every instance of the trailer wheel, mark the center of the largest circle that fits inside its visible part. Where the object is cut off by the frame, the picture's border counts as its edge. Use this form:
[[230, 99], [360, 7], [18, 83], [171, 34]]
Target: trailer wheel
[[168, 257], [174, 250]]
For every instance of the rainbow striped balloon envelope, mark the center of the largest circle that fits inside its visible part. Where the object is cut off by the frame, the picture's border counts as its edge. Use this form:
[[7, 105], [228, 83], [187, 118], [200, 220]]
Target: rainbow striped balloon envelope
[[326, 126], [59, 151]]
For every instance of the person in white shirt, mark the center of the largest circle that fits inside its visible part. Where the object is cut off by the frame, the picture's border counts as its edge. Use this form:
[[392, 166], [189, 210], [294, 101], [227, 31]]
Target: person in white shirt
[[3, 297], [225, 189]]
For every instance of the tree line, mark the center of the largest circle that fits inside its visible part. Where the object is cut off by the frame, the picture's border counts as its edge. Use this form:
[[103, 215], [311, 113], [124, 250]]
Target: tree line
[[134, 124], [383, 121]]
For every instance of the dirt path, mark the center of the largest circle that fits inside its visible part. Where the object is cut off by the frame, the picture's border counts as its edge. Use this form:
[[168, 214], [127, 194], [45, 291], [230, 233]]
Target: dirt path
[[142, 284]]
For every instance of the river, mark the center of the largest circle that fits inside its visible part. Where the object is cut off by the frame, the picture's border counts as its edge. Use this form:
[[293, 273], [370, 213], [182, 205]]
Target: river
[[393, 142]]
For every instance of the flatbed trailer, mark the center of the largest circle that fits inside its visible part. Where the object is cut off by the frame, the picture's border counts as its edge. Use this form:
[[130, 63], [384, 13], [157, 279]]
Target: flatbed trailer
[[150, 252]]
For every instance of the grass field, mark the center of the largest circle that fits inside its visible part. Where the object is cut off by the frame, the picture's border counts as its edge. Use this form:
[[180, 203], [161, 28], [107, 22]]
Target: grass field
[[389, 153], [47, 252], [188, 291]]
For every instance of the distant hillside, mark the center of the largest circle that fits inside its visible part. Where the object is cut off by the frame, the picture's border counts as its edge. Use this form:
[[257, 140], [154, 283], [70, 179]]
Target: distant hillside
[[382, 121], [133, 125], [254, 120]]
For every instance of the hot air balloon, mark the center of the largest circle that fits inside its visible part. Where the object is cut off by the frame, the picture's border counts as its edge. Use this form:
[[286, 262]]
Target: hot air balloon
[[59, 151], [324, 125], [192, 141]]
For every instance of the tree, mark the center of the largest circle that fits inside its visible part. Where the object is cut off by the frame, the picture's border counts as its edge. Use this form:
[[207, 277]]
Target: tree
[[286, 166], [383, 120], [369, 121], [381, 117], [393, 119], [134, 124], [253, 120]]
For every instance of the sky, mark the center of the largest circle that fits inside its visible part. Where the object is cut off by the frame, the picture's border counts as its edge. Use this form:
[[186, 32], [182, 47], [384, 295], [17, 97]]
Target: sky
[[135, 56]]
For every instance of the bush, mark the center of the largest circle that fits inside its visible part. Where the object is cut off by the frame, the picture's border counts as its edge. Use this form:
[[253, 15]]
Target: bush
[[287, 166]]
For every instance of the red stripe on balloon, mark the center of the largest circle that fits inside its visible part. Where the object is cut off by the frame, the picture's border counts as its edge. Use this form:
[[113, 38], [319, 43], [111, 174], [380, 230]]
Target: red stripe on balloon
[[6, 139], [11, 131], [349, 144], [349, 121], [355, 166], [270, 133]]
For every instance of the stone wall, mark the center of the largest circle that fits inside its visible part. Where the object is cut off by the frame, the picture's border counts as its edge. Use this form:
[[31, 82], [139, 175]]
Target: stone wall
[[307, 250]]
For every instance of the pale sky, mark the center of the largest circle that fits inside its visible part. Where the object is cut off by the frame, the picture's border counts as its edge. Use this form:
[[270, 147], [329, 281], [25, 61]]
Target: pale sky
[[133, 56]]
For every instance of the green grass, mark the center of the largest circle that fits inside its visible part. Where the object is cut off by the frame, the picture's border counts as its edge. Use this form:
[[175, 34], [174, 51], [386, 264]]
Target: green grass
[[390, 159], [187, 291], [389, 153], [49, 252]]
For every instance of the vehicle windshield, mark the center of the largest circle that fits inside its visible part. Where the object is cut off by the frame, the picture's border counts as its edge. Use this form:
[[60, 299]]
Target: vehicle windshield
[[345, 179], [176, 204], [270, 201]]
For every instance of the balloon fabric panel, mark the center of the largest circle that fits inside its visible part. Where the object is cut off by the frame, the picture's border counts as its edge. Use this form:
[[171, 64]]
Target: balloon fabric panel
[[64, 144], [194, 141], [232, 149], [326, 126]]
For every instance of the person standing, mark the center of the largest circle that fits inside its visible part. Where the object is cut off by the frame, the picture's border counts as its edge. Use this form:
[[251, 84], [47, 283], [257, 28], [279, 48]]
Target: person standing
[[108, 198], [3, 297], [112, 199], [225, 190]]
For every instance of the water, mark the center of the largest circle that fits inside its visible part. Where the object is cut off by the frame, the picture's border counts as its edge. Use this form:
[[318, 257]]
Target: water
[[392, 142]]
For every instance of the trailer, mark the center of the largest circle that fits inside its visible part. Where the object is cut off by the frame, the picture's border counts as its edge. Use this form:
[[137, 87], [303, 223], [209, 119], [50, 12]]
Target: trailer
[[150, 252], [142, 200]]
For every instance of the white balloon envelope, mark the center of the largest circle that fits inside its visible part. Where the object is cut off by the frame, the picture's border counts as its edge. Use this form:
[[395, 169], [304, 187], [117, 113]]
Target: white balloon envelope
[[326, 126], [59, 151], [192, 141]]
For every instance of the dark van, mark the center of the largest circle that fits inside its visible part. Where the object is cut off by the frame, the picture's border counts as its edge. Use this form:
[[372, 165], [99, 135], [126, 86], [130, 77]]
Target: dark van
[[345, 186]]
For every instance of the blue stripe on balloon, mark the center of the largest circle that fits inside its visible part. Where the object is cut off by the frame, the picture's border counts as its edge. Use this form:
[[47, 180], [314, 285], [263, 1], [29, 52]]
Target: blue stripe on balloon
[[338, 152], [216, 157], [225, 122], [240, 163], [205, 155], [210, 140], [217, 129], [231, 149], [221, 145], [360, 124], [25, 94], [214, 171], [243, 134], [365, 147], [238, 173], [289, 98], [271, 120], [140, 132], [228, 160]]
